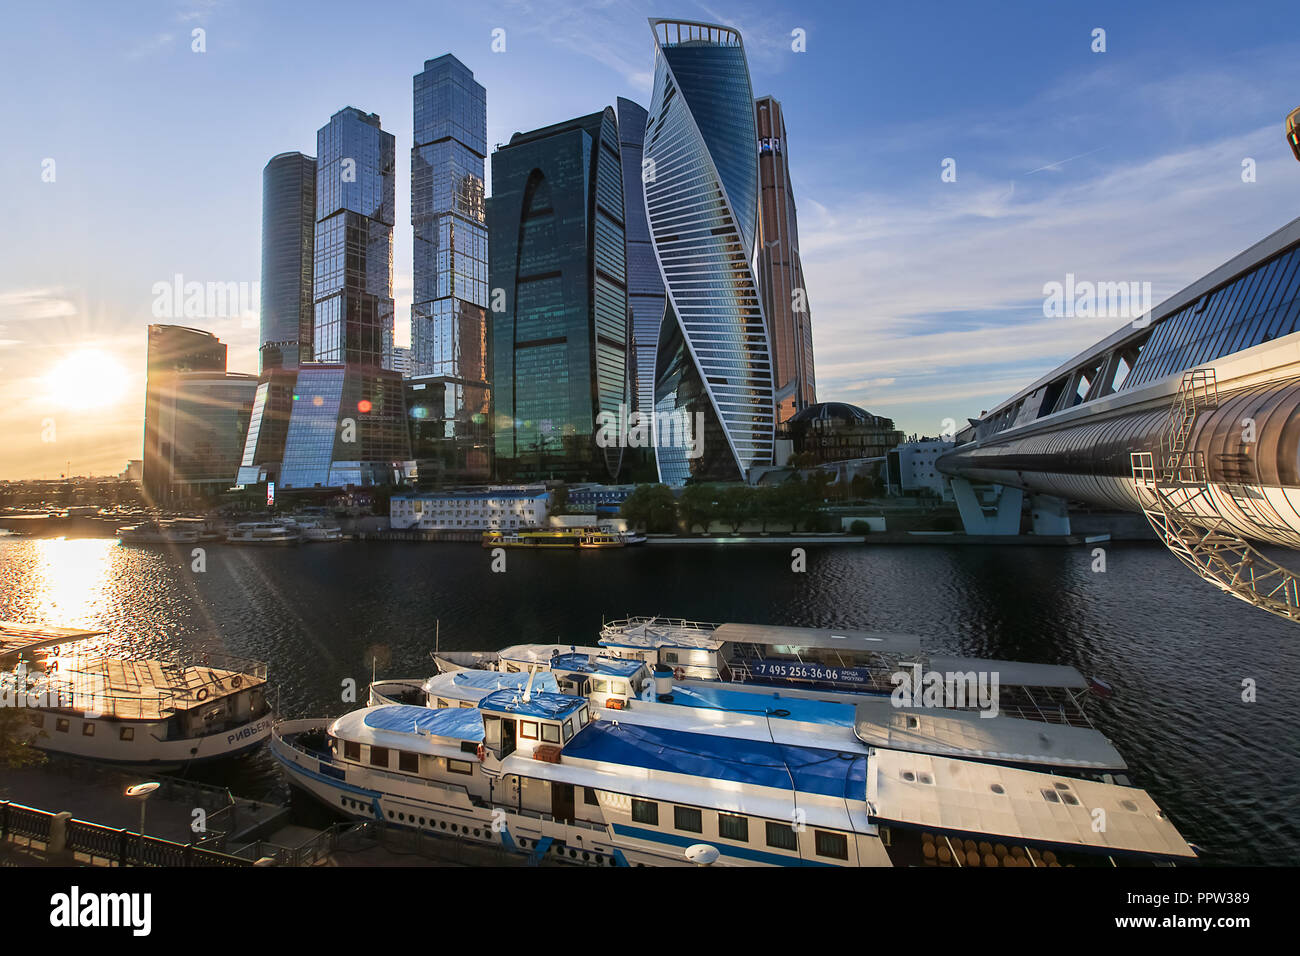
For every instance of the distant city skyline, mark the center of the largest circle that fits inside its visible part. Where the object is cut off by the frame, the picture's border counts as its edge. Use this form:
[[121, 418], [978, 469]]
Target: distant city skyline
[[1125, 165]]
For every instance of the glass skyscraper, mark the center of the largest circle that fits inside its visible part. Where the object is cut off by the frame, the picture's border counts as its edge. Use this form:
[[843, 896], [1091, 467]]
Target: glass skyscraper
[[645, 287], [559, 348], [353, 267], [780, 270], [713, 374], [288, 230], [448, 360], [172, 350]]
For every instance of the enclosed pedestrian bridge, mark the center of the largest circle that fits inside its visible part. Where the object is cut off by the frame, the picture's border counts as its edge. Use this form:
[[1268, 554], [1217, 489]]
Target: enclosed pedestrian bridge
[[1189, 414]]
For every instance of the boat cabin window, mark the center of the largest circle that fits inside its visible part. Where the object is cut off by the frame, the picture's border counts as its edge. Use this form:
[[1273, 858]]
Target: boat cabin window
[[599, 685], [408, 762], [38, 720], [87, 729], [126, 733], [689, 819], [589, 797], [352, 750], [379, 757], [618, 687], [645, 811], [551, 733], [441, 702], [834, 845], [582, 718], [465, 703], [732, 827], [568, 730], [781, 836], [670, 657], [528, 729], [62, 724], [460, 766]]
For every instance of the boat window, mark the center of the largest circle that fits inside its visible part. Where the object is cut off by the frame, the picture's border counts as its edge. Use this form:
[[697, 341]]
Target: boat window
[[38, 720], [464, 703], [62, 724], [460, 766], [441, 702], [781, 836], [645, 811], [834, 845], [689, 819], [732, 827], [618, 687], [528, 729], [551, 733], [589, 797], [379, 756], [408, 762], [568, 729], [670, 657], [352, 750], [599, 685], [87, 729], [582, 718], [126, 733]]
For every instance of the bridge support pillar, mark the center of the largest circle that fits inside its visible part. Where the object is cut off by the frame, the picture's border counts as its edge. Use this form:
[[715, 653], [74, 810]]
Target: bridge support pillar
[[1006, 520], [1051, 515]]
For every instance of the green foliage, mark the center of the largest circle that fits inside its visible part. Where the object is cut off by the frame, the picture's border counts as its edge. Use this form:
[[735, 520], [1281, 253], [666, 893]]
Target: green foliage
[[651, 507], [696, 506], [559, 500], [860, 527], [736, 505], [16, 748]]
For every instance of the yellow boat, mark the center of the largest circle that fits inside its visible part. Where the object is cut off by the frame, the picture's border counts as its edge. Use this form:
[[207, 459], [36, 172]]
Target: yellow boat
[[555, 538]]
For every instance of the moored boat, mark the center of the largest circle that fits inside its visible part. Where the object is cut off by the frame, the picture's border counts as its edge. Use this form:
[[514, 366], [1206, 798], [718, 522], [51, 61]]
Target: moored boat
[[263, 533]]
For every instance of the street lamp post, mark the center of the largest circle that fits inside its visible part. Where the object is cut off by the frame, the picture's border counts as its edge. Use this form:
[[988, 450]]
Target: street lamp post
[[142, 792]]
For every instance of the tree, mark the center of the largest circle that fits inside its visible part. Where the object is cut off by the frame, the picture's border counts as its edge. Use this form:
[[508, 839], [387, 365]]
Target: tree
[[736, 505], [559, 500], [16, 748], [697, 506], [651, 507]]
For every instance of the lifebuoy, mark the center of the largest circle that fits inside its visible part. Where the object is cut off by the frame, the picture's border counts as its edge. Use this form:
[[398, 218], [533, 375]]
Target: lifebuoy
[[678, 673], [482, 753], [202, 694], [236, 681]]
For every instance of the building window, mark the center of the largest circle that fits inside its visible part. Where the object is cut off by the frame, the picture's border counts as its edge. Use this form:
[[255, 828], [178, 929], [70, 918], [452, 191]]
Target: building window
[[408, 762], [645, 811], [834, 845], [460, 766], [352, 750], [379, 757], [781, 836], [732, 827], [689, 819]]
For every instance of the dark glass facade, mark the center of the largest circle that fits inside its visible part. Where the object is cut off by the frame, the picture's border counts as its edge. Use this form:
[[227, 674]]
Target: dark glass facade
[[645, 287], [559, 348], [701, 192], [347, 428], [836, 431], [268, 427], [202, 422], [353, 265], [288, 232], [780, 270]]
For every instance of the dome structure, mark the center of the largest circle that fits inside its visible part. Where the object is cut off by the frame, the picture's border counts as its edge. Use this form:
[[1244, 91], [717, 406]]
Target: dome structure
[[840, 413]]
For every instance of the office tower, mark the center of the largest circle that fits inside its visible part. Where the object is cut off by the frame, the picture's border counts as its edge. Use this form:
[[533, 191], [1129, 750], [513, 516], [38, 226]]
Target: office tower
[[268, 427], [288, 231], [448, 357], [713, 371], [645, 287], [559, 348], [780, 271], [353, 266], [347, 428], [195, 415]]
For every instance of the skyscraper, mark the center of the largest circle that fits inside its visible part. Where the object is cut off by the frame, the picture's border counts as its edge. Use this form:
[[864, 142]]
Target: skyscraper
[[448, 358], [288, 230], [559, 348], [645, 287], [195, 414], [353, 266], [713, 370], [780, 270]]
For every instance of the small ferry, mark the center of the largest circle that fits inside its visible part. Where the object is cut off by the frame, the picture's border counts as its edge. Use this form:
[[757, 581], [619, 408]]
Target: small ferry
[[263, 533], [656, 783], [157, 532], [140, 713], [315, 530], [589, 537]]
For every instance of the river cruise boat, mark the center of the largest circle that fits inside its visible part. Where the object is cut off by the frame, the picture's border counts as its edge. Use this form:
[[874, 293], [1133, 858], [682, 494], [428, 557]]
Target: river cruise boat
[[264, 534], [158, 532], [142, 713], [590, 537], [658, 783], [814, 659]]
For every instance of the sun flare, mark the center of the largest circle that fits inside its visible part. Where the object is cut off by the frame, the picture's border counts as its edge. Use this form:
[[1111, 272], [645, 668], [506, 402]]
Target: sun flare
[[86, 379]]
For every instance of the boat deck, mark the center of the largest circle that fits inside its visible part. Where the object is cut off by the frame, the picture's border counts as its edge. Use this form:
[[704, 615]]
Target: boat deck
[[149, 690]]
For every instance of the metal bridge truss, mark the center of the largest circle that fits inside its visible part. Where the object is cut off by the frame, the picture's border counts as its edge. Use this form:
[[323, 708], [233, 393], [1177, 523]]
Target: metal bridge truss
[[1176, 498]]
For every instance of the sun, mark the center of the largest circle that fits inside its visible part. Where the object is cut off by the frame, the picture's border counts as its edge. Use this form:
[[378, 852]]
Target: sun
[[86, 379]]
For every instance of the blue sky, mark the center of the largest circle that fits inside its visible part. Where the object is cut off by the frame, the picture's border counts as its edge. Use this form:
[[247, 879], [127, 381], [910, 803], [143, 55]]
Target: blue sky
[[926, 297]]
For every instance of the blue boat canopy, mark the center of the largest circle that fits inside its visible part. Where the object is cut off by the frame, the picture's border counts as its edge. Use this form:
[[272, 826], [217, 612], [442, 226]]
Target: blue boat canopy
[[460, 723], [542, 705]]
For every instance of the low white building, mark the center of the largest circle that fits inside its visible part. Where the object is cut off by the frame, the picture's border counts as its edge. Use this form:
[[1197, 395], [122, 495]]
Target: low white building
[[911, 469], [497, 508]]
